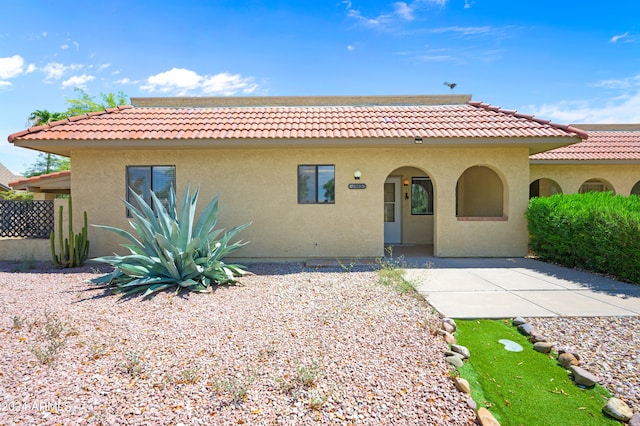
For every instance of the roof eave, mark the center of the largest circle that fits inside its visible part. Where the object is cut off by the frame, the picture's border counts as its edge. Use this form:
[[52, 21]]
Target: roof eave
[[535, 144], [583, 162]]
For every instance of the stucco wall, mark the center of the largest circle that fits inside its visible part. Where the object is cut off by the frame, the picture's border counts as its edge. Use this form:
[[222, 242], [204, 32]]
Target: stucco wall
[[38, 249], [571, 176], [260, 185]]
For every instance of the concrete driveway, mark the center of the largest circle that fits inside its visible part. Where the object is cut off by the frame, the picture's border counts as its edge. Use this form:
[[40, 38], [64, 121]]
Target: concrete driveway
[[505, 288]]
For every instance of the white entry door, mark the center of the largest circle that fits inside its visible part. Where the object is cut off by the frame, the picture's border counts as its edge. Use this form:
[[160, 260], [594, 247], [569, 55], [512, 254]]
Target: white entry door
[[392, 212]]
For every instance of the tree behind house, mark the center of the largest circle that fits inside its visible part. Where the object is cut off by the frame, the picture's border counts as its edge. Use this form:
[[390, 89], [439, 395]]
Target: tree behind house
[[82, 104]]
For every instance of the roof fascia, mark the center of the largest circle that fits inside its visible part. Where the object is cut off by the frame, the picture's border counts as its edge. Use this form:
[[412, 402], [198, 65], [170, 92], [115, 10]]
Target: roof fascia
[[584, 162], [535, 145]]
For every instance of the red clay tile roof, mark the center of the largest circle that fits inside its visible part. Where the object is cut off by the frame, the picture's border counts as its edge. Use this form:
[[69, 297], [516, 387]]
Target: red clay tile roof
[[41, 178], [471, 120], [608, 145]]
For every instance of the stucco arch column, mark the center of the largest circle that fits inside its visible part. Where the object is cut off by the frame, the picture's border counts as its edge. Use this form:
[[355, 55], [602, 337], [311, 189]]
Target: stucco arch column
[[490, 236]]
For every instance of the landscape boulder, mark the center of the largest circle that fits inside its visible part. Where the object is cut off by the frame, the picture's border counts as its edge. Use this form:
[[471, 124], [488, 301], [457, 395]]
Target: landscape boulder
[[583, 377], [618, 409]]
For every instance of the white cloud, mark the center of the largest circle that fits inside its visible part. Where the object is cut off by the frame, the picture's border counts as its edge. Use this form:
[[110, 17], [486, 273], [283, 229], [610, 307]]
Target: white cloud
[[30, 68], [11, 66], [437, 58], [623, 108], [5, 85], [351, 47], [615, 38], [403, 10], [181, 81], [64, 46], [228, 84], [616, 84], [126, 80], [463, 30], [54, 71], [370, 22], [78, 81], [468, 4], [176, 79]]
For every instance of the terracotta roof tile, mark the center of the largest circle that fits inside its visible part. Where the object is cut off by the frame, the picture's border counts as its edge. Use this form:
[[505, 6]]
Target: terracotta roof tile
[[36, 179], [601, 145], [471, 120]]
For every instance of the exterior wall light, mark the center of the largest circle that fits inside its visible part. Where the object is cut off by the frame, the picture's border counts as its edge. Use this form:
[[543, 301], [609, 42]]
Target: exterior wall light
[[405, 182], [417, 140], [357, 174]]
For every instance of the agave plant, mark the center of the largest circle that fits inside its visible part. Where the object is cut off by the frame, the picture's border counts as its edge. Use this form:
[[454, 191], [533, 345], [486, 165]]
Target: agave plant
[[169, 251]]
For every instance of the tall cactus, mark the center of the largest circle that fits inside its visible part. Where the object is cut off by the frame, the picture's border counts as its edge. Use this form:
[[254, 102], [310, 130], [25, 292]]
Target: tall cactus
[[75, 249]]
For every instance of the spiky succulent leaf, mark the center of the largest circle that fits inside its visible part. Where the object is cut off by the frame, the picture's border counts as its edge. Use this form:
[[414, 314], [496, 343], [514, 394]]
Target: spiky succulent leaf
[[169, 250]]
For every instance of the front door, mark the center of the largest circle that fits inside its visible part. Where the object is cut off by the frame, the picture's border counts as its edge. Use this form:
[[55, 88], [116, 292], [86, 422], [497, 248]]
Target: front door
[[392, 212]]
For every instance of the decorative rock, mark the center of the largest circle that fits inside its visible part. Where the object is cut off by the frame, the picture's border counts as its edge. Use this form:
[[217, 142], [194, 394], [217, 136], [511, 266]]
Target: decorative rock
[[461, 350], [472, 404], [451, 353], [583, 377], [456, 361], [525, 329], [486, 418], [449, 338], [575, 354], [566, 359], [448, 327], [518, 321], [618, 409], [544, 347], [462, 385], [534, 338], [451, 322], [635, 420]]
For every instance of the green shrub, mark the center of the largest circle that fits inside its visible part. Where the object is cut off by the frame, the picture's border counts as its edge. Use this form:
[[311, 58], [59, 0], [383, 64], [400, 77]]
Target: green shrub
[[170, 251], [596, 231]]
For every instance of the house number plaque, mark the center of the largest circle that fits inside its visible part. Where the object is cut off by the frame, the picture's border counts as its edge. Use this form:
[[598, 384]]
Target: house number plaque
[[357, 186]]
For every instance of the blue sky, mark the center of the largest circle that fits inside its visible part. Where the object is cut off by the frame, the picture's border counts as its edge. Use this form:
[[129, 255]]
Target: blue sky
[[568, 61]]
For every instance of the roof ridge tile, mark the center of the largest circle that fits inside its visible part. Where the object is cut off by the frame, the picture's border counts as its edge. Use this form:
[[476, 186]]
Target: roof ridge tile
[[583, 135]]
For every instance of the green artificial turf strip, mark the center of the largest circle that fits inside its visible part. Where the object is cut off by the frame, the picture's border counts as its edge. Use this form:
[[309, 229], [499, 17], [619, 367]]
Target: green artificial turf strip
[[524, 388]]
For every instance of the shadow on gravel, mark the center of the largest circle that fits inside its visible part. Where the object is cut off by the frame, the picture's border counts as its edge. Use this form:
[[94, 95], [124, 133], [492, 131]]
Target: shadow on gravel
[[32, 267]]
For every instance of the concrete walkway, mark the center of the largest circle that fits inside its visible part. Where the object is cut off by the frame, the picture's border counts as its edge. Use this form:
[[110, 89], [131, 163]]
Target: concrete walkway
[[505, 288]]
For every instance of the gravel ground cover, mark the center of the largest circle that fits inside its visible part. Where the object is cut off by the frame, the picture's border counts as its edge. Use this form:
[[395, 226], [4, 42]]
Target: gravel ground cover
[[609, 347], [288, 346]]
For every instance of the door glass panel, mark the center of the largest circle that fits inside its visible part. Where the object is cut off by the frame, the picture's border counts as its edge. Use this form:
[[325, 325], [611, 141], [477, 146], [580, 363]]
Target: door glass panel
[[389, 192], [389, 212]]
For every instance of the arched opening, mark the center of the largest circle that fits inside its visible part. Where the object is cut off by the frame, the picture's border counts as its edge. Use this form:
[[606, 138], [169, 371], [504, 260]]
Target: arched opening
[[636, 189], [544, 188], [596, 185], [479, 193], [409, 207]]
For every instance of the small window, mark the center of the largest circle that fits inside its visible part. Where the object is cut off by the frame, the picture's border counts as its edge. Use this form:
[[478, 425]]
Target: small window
[[421, 195], [316, 184], [144, 179]]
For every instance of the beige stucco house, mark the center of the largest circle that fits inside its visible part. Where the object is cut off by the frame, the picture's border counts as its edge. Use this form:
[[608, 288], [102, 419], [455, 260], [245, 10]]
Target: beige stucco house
[[319, 177], [609, 160]]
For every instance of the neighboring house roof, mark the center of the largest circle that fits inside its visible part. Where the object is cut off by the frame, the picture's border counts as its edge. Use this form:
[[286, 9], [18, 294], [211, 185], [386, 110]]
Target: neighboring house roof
[[606, 143], [58, 182], [331, 118], [5, 177]]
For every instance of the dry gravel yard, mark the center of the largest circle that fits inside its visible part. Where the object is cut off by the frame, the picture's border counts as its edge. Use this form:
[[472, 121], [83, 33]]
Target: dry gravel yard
[[290, 346], [609, 347]]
